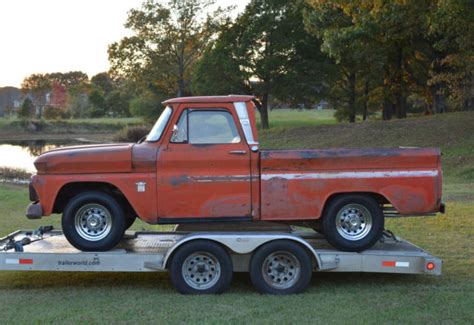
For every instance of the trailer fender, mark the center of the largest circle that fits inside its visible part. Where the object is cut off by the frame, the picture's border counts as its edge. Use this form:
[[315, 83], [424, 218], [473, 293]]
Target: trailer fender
[[242, 243]]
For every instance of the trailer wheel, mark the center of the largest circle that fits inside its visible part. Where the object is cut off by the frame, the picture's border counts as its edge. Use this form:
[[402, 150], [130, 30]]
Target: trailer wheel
[[93, 221], [201, 267], [281, 267], [353, 222]]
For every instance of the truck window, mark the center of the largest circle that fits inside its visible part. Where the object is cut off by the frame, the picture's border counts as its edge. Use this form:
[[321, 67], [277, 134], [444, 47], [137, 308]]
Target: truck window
[[158, 128], [181, 135], [206, 127]]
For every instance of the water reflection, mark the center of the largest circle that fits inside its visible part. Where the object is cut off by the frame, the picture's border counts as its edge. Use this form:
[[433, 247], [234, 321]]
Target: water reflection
[[21, 154]]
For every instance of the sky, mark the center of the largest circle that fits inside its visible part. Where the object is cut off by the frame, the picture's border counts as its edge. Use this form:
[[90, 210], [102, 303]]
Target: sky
[[42, 36]]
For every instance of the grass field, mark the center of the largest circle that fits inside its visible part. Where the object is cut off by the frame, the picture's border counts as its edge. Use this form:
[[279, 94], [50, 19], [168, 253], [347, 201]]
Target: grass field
[[332, 298]]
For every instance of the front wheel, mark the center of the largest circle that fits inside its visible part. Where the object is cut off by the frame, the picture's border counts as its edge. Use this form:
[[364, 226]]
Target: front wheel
[[93, 221], [353, 222]]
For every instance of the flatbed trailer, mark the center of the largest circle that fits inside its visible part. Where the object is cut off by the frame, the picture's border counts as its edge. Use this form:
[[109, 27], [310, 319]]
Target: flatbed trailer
[[280, 261]]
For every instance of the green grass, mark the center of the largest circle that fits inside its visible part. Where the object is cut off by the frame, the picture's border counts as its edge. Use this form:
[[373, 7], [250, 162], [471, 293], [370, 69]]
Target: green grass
[[332, 298], [291, 118], [342, 298]]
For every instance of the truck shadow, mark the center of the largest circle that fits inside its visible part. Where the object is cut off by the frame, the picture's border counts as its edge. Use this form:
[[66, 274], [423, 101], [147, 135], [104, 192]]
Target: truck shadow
[[160, 281]]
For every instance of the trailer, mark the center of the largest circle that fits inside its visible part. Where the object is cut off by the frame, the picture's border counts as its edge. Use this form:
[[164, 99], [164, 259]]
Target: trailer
[[280, 259]]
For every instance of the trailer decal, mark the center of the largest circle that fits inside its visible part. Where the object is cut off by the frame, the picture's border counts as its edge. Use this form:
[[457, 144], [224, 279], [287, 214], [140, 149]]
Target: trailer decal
[[25, 261], [395, 264]]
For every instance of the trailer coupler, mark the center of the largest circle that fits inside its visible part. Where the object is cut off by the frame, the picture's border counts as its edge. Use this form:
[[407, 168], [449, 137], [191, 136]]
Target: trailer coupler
[[17, 245]]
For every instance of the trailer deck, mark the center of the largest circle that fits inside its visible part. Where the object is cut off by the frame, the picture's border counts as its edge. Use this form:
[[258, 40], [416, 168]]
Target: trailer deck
[[151, 252]]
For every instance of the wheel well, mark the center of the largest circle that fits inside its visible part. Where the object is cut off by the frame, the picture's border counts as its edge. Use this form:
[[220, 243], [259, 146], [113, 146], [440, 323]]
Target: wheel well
[[169, 258], [68, 191], [312, 254], [229, 250], [378, 197]]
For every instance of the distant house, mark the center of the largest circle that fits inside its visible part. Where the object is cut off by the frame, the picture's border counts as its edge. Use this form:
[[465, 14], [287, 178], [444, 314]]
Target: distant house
[[10, 100]]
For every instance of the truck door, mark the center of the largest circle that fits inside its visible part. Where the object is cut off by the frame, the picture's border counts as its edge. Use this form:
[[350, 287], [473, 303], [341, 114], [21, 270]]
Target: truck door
[[204, 170]]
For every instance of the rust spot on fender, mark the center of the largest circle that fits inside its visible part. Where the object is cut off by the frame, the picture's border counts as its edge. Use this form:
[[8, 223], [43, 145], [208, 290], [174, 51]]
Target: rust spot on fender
[[179, 180]]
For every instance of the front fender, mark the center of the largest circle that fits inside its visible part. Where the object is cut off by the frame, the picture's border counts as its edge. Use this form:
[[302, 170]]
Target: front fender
[[141, 197]]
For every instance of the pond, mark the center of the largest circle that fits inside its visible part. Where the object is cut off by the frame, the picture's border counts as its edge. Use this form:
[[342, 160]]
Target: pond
[[21, 154]]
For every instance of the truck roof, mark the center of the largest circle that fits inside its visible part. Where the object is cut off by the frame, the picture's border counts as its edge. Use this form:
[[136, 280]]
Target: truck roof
[[210, 99]]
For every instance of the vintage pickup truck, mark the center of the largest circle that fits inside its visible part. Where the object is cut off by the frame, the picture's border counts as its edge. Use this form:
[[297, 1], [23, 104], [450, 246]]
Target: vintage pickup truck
[[202, 162]]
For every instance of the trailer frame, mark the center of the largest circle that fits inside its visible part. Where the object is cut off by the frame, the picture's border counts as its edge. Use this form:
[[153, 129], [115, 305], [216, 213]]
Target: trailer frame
[[147, 251]]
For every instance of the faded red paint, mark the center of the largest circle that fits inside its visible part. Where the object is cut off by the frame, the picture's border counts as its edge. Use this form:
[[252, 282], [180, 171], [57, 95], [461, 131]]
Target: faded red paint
[[209, 181]]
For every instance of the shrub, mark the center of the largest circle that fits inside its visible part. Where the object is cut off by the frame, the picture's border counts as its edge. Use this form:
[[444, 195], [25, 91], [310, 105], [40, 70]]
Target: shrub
[[131, 133], [55, 113], [27, 109], [147, 106], [14, 174]]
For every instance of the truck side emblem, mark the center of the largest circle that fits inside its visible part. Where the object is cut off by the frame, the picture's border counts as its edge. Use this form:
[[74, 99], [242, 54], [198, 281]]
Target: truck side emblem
[[141, 186]]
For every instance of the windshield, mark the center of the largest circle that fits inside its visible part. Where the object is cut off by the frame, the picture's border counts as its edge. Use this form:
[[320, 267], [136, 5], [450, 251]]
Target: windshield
[[155, 133]]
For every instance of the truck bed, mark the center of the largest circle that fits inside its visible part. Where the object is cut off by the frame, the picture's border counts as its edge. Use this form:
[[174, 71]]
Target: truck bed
[[295, 184]]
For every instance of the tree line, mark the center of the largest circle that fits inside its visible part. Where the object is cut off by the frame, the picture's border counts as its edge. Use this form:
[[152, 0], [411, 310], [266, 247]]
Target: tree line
[[362, 56], [72, 94]]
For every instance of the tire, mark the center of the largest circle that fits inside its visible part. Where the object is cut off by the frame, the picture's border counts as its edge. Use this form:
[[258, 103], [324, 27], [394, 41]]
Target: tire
[[291, 275], [93, 221], [201, 267], [129, 221], [353, 222]]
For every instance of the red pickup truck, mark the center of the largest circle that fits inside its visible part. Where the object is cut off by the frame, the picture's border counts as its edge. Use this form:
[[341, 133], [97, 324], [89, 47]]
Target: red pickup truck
[[202, 162]]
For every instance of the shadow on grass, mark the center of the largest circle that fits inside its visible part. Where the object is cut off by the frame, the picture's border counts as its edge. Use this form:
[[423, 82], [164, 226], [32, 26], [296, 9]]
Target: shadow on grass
[[160, 280]]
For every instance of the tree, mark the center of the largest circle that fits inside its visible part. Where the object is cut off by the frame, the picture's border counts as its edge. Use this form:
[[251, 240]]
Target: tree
[[104, 82], [69, 79], [147, 105], [37, 85], [380, 46], [266, 52], [27, 109], [97, 101], [169, 38], [346, 43], [218, 71], [451, 33]]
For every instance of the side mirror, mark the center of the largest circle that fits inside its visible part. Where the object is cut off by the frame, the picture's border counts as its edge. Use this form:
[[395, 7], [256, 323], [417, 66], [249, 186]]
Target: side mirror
[[174, 133]]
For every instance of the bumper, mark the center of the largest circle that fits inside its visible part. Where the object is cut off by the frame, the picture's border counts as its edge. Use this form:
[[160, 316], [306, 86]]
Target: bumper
[[34, 211]]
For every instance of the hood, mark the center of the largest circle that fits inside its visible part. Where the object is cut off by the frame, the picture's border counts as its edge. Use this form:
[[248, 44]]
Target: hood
[[109, 158]]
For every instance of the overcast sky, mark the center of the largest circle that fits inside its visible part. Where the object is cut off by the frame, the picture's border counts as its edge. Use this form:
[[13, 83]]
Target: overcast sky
[[40, 36]]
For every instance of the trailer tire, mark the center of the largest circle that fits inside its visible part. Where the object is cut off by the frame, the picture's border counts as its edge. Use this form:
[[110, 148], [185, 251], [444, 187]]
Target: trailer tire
[[201, 267], [93, 221], [353, 222], [281, 267]]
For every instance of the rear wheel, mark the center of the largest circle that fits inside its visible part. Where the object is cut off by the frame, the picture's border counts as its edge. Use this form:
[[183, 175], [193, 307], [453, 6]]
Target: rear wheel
[[201, 267], [353, 222], [93, 221], [281, 267]]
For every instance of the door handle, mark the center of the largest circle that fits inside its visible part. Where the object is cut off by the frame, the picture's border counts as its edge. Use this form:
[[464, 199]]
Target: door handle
[[237, 152]]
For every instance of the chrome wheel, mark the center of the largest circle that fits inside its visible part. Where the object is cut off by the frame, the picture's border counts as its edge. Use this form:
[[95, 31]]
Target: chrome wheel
[[353, 221], [93, 222], [201, 270], [281, 270]]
